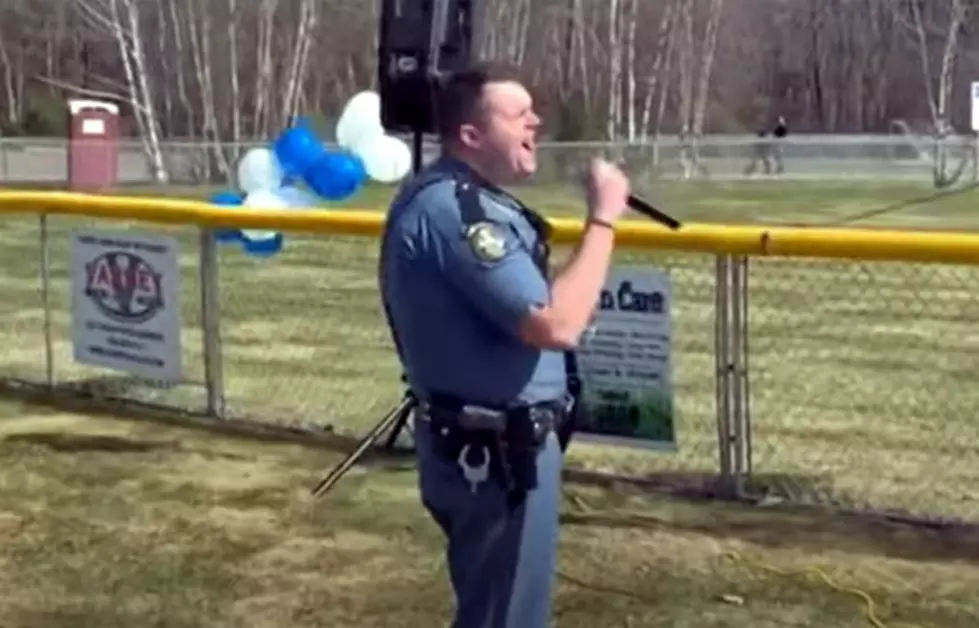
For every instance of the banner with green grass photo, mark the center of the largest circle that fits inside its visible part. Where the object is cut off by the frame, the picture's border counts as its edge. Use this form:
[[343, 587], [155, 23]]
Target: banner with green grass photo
[[625, 363]]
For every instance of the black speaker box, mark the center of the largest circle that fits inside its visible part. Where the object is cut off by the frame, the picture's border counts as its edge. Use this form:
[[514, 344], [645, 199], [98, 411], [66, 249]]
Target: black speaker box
[[420, 42]]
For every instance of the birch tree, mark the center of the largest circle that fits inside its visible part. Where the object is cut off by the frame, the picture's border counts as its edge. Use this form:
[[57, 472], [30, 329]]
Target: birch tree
[[947, 19], [658, 76], [226, 72], [121, 20], [613, 121], [298, 60], [706, 67], [11, 70]]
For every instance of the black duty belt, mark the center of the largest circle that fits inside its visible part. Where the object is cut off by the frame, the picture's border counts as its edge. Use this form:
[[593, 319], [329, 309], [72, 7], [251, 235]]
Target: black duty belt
[[445, 411], [512, 437]]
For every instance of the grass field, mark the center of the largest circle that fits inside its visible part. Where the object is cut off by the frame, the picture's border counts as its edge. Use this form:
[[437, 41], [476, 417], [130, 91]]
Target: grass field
[[862, 394], [106, 522]]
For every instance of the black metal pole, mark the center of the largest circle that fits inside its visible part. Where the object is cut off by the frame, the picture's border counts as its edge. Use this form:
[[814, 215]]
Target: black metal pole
[[416, 151], [396, 415]]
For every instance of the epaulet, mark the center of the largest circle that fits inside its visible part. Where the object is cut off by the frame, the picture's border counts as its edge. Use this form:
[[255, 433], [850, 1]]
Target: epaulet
[[427, 180], [470, 206], [467, 193]]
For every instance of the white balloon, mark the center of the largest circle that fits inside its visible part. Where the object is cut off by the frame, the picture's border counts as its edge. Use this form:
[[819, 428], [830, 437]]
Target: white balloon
[[268, 198], [386, 159], [360, 118], [263, 199], [298, 197], [258, 170]]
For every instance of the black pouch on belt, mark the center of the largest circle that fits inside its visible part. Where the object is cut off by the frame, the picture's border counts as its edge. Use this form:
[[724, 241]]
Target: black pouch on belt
[[522, 444], [514, 437]]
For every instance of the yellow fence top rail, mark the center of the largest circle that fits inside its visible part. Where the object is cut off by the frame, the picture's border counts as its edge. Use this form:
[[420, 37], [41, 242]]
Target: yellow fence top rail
[[755, 240]]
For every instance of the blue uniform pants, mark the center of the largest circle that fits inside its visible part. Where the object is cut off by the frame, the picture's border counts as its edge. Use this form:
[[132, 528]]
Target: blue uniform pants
[[501, 560]]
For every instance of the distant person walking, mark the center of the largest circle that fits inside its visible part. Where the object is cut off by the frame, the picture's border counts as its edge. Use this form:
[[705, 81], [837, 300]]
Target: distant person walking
[[690, 157], [760, 154], [781, 132], [768, 151]]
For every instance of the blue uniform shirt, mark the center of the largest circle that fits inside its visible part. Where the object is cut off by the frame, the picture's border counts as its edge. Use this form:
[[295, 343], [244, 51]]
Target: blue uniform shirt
[[455, 294]]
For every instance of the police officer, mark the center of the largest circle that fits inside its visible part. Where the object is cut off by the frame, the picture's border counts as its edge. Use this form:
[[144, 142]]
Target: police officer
[[482, 335]]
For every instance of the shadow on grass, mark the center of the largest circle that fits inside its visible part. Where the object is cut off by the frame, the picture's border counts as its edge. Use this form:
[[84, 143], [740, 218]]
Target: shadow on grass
[[711, 509], [778, 525], [77, 398], [71, 443]]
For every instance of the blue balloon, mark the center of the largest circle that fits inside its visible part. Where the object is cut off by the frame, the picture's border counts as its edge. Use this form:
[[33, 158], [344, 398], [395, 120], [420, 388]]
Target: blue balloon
[[303, 157], [266, 247], [335, 176], [227, 198], [226, 236], [297, 149]]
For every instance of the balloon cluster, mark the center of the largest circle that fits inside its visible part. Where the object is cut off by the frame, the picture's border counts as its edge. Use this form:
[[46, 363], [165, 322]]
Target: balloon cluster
[[297, 170]]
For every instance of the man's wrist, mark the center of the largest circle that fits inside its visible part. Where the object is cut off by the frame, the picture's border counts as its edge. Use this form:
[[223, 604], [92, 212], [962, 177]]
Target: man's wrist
[[598, 222]]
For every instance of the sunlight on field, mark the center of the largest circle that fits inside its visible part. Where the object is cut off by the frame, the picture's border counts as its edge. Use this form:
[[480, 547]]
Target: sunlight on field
[[862, 393], [107, 522], [856, 369]]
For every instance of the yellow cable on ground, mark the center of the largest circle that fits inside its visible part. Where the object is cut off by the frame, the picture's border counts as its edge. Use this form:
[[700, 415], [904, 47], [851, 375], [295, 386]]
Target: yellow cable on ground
[[870, 606]]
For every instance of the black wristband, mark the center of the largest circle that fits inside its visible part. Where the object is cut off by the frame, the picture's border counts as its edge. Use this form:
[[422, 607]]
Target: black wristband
[[600, 223]]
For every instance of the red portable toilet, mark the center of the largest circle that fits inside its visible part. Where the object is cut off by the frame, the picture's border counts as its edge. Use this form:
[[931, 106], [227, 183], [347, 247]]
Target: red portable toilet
[[93, 151]]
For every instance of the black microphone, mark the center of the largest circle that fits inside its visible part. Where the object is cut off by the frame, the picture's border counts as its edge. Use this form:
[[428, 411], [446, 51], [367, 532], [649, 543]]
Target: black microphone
[[637, 204]]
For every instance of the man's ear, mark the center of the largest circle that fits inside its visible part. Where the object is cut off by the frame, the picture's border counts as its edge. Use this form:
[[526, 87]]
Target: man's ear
[[470, 137]]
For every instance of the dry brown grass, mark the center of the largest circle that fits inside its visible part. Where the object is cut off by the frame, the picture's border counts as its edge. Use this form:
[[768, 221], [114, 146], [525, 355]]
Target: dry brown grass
[[109, 522]]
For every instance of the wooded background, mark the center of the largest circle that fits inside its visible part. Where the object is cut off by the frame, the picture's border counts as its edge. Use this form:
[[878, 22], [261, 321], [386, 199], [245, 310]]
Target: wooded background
[[230, 70]]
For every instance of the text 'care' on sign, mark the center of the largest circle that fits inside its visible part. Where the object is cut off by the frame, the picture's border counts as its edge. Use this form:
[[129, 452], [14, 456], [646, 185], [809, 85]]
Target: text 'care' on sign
[[627, 298]]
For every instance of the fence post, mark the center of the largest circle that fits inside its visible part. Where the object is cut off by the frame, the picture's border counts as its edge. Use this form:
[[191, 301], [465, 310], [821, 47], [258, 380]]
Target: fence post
[[4, 160], [739, 372], [722, 360], [211, 324], [745, 379], [44, 262], [975, 158]]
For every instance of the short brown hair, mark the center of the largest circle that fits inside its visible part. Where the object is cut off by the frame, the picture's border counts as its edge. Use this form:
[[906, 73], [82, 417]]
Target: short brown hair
[[459, 96]]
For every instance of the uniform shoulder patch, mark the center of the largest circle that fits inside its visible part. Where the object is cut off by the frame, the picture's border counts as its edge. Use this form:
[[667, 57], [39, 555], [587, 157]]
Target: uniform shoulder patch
[[486, 241]]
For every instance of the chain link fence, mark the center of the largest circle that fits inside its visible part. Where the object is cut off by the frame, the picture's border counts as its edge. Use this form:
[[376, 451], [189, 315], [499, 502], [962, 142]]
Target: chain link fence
[[862, 381], [37, 300], [302, 342], [303, 338], [712, 157], [861, 374]]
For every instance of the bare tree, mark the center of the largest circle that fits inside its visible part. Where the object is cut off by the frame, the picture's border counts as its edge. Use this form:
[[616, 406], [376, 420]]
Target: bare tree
[[947, 19], [121, 20], [706, 66], [938, 85], [229, 72], [298, 61], [659, 71], [631, 19], [198, 22], [13, 80], [613, 121]]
